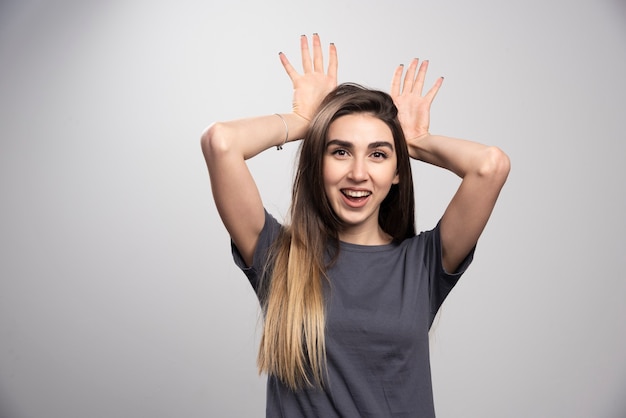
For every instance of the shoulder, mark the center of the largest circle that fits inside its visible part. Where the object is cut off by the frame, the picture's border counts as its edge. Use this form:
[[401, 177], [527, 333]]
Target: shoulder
[[422, 239], [269, 234]]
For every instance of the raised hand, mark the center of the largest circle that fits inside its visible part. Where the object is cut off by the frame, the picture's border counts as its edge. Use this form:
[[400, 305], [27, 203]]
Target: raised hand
[[310, 87], [413, 107]]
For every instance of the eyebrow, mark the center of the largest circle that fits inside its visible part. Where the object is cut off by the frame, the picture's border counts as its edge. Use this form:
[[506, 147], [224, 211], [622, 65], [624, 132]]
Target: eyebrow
[[349, 145]]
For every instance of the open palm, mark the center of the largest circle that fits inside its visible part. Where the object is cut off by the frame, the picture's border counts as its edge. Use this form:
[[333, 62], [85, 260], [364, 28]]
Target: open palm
[[413, 107], [310, 87]]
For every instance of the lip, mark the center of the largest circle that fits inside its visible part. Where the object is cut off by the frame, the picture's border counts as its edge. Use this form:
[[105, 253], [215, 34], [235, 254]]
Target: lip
[[355, 202]]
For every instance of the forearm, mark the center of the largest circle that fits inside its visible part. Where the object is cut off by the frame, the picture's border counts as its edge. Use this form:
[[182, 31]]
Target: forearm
[[251, 136], [460, 156]]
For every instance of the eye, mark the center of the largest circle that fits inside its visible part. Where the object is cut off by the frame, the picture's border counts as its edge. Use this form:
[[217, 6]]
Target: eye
[[339, 152], [379, 155]]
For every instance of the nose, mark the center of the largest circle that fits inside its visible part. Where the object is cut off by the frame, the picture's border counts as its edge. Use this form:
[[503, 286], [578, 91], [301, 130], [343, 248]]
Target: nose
[[358, 170]]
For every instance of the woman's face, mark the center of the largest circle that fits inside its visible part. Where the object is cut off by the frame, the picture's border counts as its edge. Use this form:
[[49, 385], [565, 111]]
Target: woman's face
[[359, 166]]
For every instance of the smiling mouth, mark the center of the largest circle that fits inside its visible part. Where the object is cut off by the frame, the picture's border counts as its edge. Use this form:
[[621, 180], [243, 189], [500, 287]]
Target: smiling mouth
[[356, 194]]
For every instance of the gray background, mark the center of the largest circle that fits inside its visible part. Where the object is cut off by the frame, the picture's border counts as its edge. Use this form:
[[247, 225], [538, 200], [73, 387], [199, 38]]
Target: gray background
[[118, 296]]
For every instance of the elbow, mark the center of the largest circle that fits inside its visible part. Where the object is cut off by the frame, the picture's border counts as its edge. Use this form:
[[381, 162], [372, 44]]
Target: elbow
[[495, 165], [214, 141]]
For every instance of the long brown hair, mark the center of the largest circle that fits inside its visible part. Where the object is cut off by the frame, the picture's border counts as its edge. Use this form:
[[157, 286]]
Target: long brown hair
[[292, 344]]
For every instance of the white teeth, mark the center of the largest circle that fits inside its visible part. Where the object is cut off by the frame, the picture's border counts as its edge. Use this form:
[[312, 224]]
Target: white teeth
[[356, 193]]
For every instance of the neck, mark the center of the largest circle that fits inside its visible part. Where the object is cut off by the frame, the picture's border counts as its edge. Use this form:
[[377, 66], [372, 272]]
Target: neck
[[365, 237]]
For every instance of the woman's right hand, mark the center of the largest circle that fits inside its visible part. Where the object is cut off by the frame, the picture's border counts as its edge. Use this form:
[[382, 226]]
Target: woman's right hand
[[310, 88]]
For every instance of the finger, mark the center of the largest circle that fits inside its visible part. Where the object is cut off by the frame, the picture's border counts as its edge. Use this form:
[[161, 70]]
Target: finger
[[421, 76], [306, 55], [432, 93], [318, 57], [409, 77], [333, 62], [395, 82], [291, 72]]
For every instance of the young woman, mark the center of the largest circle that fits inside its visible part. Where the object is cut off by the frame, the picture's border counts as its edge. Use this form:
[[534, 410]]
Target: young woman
[[348, 290]]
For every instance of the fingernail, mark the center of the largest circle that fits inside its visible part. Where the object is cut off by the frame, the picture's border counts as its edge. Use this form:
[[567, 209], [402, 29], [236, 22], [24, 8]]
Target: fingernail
[[332, 43]]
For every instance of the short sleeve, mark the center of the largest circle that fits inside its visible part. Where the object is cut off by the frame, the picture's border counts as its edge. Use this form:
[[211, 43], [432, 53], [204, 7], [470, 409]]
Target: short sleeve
[[269, 233], [441, 282]]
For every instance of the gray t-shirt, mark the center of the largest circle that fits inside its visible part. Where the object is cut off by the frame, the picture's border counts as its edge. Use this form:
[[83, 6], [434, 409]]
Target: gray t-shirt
[[381, 302]]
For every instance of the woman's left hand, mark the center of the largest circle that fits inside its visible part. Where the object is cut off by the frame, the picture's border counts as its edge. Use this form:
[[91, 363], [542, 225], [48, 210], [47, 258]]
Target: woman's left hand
[[413, 108]]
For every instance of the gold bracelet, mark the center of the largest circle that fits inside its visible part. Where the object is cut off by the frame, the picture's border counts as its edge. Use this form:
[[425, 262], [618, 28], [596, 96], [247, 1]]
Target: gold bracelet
[[279, 147]]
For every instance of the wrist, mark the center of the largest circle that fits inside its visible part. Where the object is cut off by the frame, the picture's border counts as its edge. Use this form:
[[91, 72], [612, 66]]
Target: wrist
[[294, 125], [417, 137], [308, 120], [417, 144]]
